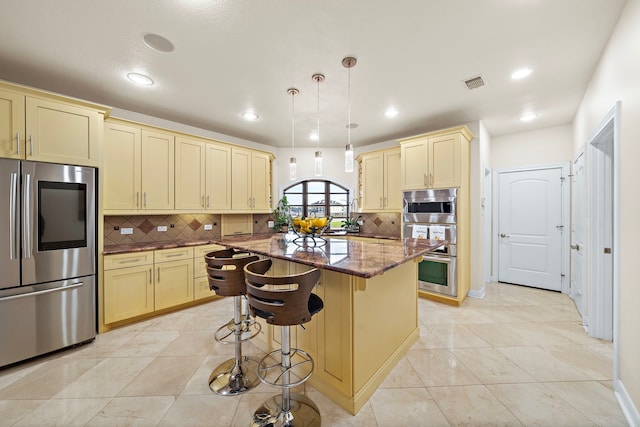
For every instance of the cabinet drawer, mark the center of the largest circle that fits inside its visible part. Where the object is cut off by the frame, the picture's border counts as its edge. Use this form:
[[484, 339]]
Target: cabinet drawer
[[199, 264], [175, 254], [201, 288], [131, 259]]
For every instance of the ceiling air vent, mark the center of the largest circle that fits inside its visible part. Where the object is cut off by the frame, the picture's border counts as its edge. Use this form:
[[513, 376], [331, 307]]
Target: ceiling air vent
[[474, 82]]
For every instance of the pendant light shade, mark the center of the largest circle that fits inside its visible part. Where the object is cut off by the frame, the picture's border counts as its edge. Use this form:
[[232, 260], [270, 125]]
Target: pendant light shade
[[349, 62], [318, 158], [293, 168]]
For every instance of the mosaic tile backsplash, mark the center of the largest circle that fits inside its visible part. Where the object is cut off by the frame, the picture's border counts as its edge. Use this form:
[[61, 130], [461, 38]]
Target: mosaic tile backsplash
[[191, 227]]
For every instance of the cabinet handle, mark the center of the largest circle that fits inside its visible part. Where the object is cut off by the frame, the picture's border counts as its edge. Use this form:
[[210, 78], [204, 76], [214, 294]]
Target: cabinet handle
[[31, 144], [18, 142], [381, 205], [208, 204], [158, 274], [384, 204], [150, 275], [424, 180], [144, 198], [202, 203], [127, 261], [172, 255], [137, 199], [249, 201], [430, 180]]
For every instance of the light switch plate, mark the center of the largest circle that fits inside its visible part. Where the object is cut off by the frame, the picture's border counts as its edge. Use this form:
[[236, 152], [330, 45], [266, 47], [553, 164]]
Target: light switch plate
[[208, 227], [162, 228], [270, 224], [126, 231]]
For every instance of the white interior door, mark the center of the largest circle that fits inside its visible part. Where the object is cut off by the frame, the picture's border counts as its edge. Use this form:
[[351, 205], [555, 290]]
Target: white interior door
[[578, 235], [530, 227]]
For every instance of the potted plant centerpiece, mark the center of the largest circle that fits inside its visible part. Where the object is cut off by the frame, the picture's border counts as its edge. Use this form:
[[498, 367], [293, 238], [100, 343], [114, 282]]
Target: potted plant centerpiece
[[281, 216]]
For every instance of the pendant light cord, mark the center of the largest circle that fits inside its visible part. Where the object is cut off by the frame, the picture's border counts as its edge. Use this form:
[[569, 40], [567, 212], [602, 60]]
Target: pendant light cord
[[293, 122], [349, 108], [318, 131]]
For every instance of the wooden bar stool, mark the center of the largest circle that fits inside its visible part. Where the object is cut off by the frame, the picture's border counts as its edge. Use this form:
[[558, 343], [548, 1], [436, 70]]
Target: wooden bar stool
[[284, 301], [225, 270]]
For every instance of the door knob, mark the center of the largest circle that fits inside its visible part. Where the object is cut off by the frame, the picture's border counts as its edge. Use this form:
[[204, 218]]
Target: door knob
[[504, 235], [576, 247]]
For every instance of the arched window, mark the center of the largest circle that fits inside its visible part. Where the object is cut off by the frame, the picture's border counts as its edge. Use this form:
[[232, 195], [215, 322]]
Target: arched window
[[318, 198]]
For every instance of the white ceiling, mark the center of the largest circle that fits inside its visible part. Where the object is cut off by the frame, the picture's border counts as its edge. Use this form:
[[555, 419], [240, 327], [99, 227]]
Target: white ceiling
[[235, 55]]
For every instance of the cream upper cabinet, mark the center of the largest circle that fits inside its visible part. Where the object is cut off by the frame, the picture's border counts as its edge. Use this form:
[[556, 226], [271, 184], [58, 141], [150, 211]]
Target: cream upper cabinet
[[122, 167], [218, 177], [157, 170], [380, 176], [434, 160], [12, 125], [138, 169], [49, 128], [190, 191], [250, 180], [203, 175]]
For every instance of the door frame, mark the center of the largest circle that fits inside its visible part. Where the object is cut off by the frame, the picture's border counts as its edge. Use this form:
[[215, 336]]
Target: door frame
[[585, 278], [598, 310], [566, 218]]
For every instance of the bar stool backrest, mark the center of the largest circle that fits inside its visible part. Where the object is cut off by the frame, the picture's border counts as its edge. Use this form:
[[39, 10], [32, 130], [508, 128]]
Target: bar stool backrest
[[225, 269], [282, 300]]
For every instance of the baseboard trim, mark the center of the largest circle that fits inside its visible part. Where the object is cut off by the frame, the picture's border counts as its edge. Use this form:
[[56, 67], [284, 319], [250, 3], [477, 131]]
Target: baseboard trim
[[629, 410], [479, 293]]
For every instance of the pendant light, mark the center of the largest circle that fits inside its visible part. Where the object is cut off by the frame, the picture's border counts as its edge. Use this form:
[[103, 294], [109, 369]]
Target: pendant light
[[318, 158], [349, 62], [292, 161]]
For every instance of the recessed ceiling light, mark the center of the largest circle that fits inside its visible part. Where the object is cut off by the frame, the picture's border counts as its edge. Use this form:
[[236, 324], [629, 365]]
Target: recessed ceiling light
[[157, 42], [140, 79], [250, 116], [351, 125], [528, 117], [521, 73], [313, 136], [391, 112]]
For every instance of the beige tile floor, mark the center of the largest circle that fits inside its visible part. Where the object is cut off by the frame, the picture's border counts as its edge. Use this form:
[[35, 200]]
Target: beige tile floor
[[517, 357]]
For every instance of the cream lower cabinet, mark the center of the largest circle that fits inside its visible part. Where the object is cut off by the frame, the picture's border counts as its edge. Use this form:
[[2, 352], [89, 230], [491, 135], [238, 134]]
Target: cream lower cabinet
[[203, 175], [128, 286], [380, 181], [50, 128], [173, 270], [201, 279], [250, 180], [435, 160]]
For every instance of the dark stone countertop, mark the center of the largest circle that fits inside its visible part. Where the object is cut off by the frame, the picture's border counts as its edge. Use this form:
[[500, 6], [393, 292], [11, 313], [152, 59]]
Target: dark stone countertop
[[355, 257]]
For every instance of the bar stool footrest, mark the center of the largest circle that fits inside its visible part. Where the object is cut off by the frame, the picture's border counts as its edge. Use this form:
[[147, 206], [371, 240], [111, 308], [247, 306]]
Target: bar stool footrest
[[225, 334], [270, 370]]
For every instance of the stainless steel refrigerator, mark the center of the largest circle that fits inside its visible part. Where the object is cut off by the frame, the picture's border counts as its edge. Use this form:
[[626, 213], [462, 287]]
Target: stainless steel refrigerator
[[47, 258]]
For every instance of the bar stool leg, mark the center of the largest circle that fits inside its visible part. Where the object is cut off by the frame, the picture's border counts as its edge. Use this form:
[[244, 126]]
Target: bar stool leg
[[286, 409], [237, 375]]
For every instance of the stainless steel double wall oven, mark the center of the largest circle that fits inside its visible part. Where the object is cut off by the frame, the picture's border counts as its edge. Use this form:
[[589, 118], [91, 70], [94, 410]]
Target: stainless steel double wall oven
[[432, 214], [47, 258]]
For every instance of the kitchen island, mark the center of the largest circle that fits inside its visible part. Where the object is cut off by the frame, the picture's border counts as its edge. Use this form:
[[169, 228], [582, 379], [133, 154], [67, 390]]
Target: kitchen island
[[370, 315]]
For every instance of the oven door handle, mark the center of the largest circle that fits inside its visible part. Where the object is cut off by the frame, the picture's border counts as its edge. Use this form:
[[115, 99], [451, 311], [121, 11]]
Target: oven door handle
[[436, 258]]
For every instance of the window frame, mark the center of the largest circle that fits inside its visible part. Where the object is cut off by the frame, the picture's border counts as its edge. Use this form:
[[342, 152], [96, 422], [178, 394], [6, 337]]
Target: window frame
[[327, 196]]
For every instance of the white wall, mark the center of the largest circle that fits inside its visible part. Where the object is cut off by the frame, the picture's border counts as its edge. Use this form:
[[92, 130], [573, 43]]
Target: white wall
[[616, 79], [550, 145]]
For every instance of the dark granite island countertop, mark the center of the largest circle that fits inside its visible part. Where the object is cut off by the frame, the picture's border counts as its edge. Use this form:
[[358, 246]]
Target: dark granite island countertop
[[360, 258]]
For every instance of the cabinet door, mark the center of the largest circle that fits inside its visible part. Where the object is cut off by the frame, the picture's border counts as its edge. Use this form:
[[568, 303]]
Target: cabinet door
[[444, 161], [174, 283], [240, 179], [61, 133], [218, 177], [190, 174], [414, 165], [121, 166], [260, 181], [12, 130], [372, 182], [157, 170], [392, 187], [128, 292]]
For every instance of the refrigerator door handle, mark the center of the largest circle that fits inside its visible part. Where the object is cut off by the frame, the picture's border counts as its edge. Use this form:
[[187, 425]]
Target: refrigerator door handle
[[45, 291], [13, 217], [26, 217]]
